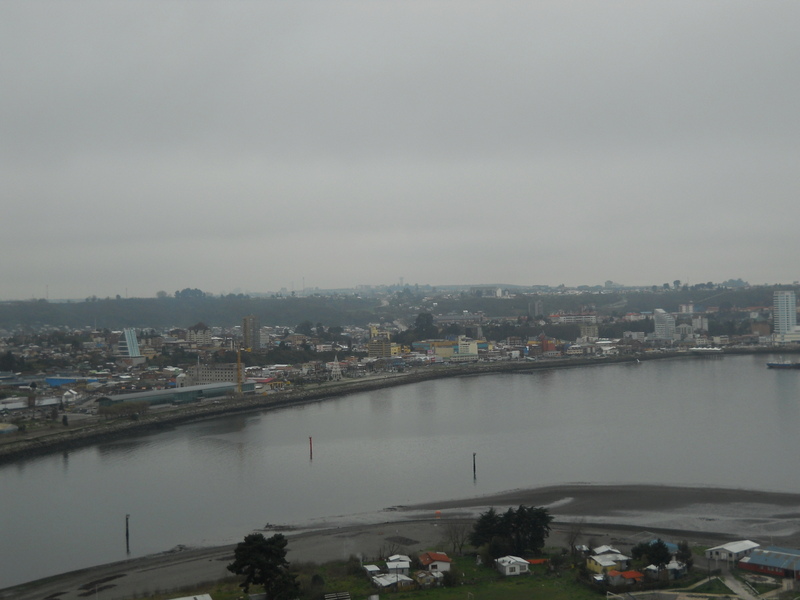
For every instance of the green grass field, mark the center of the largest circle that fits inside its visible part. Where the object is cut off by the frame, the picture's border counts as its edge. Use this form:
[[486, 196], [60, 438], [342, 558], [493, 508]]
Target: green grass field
[[480, 583]]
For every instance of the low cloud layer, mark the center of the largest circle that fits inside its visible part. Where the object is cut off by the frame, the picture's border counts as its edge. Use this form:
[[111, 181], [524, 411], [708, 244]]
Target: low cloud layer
[[261, 145]]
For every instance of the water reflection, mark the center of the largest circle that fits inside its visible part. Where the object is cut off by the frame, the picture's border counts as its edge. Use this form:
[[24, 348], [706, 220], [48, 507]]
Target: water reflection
[[222, 425], [122, 447], [374, 449]]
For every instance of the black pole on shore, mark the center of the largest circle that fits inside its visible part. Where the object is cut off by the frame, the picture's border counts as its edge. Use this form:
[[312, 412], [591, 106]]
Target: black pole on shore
[[127, 535], [474, 475]]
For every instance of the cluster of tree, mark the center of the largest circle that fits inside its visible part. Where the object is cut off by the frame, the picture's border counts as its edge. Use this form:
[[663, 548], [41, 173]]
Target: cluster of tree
[[424, 329], [517, 531], [190, 293], [124, 409], [334, 333], [10, 362], [262, 561], [192, 305], [281, 355], [657, 553], [168, 311]]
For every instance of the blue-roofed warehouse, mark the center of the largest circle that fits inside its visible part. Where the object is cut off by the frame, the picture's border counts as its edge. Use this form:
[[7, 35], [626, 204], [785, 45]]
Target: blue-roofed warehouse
[[775, 561], [58, 381], [193, 393]]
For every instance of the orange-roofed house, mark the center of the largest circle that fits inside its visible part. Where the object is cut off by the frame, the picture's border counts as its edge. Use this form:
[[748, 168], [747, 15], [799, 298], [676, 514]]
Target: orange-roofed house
[[435, 561]]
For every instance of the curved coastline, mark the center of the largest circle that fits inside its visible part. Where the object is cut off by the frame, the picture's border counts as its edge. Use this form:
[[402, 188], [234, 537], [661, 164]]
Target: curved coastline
[[622, 515], [609, 512], [22, 446]]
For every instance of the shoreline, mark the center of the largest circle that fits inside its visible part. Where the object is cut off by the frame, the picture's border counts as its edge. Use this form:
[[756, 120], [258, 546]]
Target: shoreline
[[20, 446], [708, 515], [622, 515]]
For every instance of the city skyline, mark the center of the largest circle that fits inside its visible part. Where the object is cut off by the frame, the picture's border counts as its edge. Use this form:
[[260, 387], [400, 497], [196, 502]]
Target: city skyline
[[266, 146]]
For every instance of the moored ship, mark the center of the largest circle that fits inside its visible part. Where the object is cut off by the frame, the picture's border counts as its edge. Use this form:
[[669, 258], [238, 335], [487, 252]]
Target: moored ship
[[783, 365]]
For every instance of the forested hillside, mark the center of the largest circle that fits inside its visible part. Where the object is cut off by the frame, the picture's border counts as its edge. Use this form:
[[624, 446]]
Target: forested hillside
[[191, 306]]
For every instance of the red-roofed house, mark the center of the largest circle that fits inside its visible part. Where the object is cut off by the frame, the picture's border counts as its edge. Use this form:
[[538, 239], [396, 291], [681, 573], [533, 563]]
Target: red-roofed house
[[435, 561], [625, 577]]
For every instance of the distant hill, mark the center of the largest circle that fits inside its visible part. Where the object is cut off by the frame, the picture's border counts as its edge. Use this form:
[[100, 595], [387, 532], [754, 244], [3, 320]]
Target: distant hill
[[161, 313], [227, 311]]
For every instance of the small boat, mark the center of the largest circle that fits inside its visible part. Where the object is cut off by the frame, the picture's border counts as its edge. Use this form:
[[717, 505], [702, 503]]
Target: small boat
[[783, 365]]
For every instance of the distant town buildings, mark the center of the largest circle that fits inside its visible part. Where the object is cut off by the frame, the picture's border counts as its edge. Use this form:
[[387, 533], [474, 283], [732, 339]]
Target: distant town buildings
[[572, 318]]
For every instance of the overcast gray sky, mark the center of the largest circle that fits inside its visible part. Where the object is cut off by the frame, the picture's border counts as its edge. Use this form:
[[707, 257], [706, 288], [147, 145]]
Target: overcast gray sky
[[252, 146]]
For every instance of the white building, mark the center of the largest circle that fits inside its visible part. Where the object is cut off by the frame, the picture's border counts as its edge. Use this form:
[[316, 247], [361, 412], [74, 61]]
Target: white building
[[784, 318], [664, 325], [732, 551], [784, 312], [572, 318], [700, 323], [512, 565], [128, 345], [398, 564]]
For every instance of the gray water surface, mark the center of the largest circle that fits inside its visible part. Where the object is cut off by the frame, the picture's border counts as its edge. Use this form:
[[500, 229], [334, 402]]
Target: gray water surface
[[698, 422]]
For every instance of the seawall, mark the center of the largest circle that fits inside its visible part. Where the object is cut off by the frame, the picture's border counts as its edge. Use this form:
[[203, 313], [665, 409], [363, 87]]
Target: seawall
[[23, 445]]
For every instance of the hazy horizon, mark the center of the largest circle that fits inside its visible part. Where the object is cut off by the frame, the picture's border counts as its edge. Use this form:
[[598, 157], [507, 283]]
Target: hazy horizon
[[263, 145]]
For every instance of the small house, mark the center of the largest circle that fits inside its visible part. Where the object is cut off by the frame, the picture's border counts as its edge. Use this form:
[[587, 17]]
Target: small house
[[398, 564], [732, 551], [609, 561], [427, 579], [512, 565], [435, 561], [624, 578], [393, 581], [672, 570], [372, 570]]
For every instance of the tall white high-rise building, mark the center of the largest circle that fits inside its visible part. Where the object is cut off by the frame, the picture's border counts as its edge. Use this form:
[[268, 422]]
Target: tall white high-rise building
[[784, 312]]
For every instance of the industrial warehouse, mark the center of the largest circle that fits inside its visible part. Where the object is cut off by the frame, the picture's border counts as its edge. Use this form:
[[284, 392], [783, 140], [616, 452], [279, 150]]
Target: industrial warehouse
[[183, 395]]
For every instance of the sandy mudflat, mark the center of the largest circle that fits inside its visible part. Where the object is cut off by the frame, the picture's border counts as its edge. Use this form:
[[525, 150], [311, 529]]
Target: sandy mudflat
[[713, 512], [622, 515]]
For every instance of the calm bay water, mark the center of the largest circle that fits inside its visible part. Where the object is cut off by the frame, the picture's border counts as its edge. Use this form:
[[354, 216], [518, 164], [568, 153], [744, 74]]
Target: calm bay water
[[698, 422]]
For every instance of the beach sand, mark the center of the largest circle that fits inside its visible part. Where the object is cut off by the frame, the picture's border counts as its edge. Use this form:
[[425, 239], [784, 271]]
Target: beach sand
[[622, 515]]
